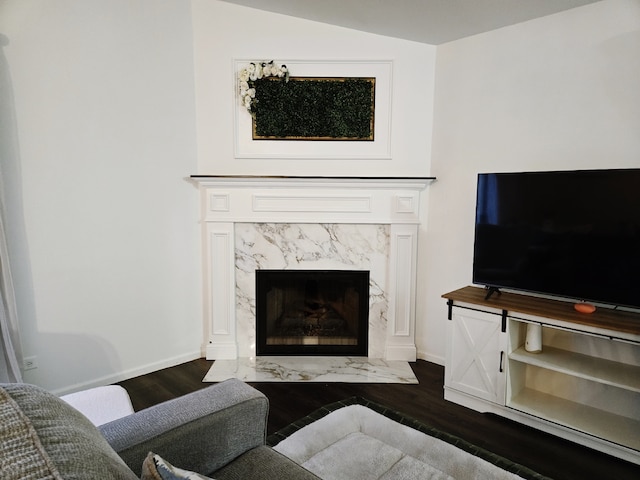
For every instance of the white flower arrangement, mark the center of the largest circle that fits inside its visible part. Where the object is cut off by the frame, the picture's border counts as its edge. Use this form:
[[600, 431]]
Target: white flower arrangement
[[255, 71]]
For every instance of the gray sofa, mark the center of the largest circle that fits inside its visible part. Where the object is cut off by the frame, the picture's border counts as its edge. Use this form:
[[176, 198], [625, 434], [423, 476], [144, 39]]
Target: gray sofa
[[218, 431]]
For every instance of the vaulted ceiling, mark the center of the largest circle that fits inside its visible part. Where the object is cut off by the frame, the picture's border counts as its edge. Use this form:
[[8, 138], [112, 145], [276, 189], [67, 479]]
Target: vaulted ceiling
[[427, 21]]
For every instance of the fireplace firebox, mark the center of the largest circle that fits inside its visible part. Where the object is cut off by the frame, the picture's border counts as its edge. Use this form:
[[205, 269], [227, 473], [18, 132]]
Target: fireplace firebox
[[312, 312]]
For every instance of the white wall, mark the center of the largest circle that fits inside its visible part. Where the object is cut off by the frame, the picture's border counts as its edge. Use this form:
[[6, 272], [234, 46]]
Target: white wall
[[224, 32], [107, 268], [559, 93], [103, 227]]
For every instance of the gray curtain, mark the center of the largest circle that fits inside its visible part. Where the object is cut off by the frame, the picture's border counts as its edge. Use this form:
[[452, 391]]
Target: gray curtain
[[9, 334], [10, 346]]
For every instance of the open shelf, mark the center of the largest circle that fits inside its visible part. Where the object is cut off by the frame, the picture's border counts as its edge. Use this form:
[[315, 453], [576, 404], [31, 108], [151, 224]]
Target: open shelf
[[599, 423], [596, 369]]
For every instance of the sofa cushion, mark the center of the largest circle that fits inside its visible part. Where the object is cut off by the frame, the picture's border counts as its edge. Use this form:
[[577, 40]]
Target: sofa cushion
[[22, 454], [45, 438]]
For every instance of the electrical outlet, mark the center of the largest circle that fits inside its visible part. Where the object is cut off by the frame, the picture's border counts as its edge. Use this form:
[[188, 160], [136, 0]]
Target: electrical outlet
[[30, 363]]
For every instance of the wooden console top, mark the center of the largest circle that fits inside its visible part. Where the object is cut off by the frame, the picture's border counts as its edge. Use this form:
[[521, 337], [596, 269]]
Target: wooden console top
[[607, 318]]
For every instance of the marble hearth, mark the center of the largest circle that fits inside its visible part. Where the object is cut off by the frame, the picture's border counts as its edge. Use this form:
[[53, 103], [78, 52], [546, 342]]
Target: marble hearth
[[307, 223]]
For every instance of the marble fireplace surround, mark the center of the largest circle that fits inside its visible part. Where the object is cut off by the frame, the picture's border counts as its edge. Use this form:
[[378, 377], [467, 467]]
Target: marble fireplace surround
[[305, 223]]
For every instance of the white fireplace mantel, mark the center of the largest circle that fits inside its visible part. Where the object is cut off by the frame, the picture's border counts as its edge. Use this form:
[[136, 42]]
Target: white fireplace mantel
[[227, 201]]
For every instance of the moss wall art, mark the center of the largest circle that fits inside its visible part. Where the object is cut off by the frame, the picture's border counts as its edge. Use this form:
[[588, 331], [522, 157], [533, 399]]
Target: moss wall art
[[314, 108]]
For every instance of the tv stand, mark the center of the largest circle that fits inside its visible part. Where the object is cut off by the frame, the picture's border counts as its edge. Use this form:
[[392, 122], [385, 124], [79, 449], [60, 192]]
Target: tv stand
[[583, 386], [490, 291]]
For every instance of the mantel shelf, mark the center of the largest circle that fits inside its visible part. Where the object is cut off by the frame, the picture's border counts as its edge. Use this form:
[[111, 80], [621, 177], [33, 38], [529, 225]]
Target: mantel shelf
[[305, 177], [306, 182]]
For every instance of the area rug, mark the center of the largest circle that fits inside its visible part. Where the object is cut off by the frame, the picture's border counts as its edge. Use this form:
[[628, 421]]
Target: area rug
[[312, 369], [357, 439]]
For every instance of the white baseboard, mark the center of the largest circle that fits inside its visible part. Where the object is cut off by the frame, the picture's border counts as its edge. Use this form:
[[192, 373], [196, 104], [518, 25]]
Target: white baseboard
[[400, 352], [221, 351], [130, 373], [438, 360]]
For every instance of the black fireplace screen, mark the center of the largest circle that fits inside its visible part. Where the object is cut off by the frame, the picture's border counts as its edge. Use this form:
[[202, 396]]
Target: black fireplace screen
[[312, 312]]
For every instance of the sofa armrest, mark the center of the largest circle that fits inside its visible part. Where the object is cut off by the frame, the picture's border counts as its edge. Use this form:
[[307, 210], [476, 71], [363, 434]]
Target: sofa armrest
[[201, 431]]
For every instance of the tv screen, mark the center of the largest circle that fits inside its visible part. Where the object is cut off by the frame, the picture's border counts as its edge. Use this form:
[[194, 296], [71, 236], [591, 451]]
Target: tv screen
[[573, 234]]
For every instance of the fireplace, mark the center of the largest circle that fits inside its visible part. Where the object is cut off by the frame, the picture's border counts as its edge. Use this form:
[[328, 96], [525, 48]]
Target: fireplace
[[312, 312], [309, 223]]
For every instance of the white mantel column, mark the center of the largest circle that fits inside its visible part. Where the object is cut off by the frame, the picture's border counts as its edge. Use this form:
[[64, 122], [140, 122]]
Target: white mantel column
[[401, 317], [219, 295]]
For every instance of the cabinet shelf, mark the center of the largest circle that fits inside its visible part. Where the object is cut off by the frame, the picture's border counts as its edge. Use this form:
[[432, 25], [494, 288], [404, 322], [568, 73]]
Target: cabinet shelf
[[607, 372], [599, 423]]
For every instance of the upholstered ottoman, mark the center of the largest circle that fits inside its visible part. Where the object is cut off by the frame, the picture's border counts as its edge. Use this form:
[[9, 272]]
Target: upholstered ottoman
[[357, 443]]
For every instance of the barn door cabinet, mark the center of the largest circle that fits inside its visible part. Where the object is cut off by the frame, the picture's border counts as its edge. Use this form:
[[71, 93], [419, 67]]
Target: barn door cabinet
[[584, 384]]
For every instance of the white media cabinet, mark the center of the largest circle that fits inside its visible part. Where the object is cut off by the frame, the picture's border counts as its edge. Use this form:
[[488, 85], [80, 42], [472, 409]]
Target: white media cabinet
[[583, 386]]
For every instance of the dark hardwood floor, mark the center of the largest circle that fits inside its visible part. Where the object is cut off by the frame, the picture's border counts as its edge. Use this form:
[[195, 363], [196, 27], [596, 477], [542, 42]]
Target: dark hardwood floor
[[544, 453]]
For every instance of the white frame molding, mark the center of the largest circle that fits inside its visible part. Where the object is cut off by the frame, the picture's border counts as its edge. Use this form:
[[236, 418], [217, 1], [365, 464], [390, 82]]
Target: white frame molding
[[378, 149]]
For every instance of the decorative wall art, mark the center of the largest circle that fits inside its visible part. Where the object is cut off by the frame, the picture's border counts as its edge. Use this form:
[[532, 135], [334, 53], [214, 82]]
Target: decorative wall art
[[313, 110], [309, 108]]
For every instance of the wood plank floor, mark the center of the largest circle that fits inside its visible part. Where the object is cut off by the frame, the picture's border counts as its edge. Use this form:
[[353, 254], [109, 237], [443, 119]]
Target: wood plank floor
[[546, 454]]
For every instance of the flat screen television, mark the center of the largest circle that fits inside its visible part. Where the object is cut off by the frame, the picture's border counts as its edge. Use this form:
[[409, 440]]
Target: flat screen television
[[570, 234]]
